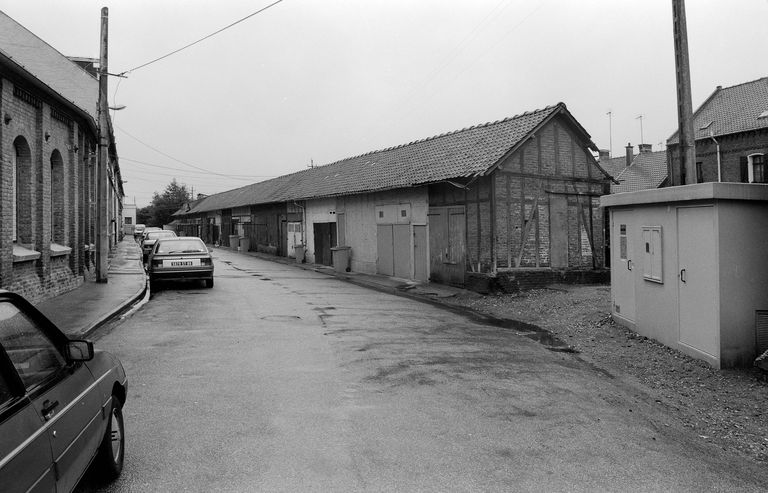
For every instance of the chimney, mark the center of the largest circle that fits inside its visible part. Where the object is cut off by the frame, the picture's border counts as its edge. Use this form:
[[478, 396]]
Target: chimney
[[645, 148], [603, 155], [629, 154]]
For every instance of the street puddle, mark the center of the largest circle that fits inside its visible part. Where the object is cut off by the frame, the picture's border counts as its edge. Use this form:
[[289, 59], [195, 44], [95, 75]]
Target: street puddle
[[281, 318]]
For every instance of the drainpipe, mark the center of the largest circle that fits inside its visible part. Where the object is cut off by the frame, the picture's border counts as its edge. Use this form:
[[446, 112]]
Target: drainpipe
[[712, 136]]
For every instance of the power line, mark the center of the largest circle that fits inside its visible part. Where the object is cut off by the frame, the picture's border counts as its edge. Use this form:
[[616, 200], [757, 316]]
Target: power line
[[169, 156], [201, 39], [153, 165]]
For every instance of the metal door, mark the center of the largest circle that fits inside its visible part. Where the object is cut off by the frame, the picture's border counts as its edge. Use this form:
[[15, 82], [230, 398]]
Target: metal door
[[385, 263], [401, 245], [420, 253], [622, 265], [697, 279], [294, 237]]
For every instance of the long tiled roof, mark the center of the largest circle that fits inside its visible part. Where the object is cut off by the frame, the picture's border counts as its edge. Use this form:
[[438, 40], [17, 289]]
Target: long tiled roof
[[648, 170], [43, 62], [731, 110], [464, 153]]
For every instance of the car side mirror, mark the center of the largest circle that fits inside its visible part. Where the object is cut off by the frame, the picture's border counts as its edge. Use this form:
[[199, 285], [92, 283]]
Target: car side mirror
[[79, 350]]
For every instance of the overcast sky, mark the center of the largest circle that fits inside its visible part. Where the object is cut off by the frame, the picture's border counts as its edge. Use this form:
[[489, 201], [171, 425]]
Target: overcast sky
[[321, 80]]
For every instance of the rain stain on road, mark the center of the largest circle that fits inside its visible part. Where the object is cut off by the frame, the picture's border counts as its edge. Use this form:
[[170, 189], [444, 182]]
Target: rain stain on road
[[278, 318]]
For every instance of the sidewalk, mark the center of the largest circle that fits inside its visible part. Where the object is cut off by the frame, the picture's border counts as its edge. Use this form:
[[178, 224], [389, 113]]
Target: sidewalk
[[81, 311]]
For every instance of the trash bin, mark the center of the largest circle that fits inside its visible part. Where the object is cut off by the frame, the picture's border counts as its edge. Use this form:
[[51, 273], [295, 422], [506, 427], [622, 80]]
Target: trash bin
[[299, 252], [245, 244], [234, 241], [341, 255]]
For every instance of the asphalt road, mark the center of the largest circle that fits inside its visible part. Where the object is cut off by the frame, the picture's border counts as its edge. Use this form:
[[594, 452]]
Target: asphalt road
[[284, 379]]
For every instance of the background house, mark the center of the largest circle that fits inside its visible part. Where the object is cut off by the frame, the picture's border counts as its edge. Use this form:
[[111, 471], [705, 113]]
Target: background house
[[647, 169], [731, 128], [515, 199], [48, 138]]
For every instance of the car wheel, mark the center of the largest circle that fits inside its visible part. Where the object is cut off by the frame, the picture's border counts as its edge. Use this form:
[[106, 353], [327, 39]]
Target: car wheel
[[109, 457], [209, 283]]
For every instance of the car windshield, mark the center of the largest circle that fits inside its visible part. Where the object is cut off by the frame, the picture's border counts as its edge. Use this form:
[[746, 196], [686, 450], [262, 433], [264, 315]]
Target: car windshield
[[182, 246], [156, 235]]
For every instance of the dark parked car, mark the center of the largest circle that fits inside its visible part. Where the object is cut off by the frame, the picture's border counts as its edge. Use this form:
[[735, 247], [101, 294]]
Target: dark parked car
[[151, 237], [180, 259], [60, 404]]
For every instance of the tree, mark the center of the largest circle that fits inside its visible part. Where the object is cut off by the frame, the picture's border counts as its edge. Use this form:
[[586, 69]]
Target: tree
[[160, 211]]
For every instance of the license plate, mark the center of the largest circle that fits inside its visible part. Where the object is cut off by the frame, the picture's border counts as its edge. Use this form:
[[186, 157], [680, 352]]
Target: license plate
[[194, 262]]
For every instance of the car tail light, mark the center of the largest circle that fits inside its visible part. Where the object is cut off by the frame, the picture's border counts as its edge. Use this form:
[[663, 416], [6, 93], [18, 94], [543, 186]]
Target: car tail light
[[205, 261], [157, 263]]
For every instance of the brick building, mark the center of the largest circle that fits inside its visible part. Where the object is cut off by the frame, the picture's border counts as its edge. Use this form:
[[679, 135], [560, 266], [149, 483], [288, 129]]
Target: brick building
[[731, 128], [48, 144], [513, 202]]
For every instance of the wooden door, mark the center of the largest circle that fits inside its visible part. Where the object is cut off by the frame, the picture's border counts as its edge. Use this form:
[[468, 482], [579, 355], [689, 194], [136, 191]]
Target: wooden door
[[447, 244], [558, 231], [697, 280]]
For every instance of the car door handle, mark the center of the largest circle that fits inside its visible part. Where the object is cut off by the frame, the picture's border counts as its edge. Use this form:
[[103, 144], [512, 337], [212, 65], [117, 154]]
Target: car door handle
[[682, 275], [49, 408], [629, 265]]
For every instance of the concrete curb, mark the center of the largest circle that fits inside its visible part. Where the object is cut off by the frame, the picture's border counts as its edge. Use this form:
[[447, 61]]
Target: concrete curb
[[116, 311]]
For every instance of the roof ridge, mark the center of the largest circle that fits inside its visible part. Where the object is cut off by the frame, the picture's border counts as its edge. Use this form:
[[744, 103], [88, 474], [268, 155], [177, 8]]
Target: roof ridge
[[745, 83], [445, 134], [49, 45]]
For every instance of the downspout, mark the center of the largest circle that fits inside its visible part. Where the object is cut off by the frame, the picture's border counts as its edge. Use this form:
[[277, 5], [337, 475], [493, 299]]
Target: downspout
[[712, 136]]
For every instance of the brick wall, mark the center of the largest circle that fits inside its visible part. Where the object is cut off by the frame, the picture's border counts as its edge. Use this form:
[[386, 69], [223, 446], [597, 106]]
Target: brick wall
[[499, 207], [555, 161], [516, 280], [48, 168], [732, 148], [34, 287]]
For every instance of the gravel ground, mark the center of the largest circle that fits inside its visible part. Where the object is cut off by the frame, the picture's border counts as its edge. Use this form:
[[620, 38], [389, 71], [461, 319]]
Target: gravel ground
[[726, 407]]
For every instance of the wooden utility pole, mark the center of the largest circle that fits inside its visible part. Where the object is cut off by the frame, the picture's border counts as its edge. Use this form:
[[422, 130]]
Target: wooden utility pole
[[684, 105], [102, 221]]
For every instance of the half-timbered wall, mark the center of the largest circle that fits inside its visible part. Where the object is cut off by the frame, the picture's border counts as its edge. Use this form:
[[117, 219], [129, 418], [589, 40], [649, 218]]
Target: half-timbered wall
[[540, 208]]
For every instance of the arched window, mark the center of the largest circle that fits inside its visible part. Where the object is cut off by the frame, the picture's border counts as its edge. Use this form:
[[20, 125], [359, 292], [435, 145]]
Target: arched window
[[57, 198], [22, 191]]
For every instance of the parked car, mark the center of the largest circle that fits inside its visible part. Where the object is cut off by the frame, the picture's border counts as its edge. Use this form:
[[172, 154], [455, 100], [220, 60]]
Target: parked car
[[60, 403], [147, 230], [180, 259], [138, 231], [151, 237]]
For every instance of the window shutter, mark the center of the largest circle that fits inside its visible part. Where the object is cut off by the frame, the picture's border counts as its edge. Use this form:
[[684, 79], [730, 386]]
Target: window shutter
[[743, 163]]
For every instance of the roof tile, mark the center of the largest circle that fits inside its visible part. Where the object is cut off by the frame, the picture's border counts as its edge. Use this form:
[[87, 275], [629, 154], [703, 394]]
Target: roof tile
[[731, 110], [463, 153]]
